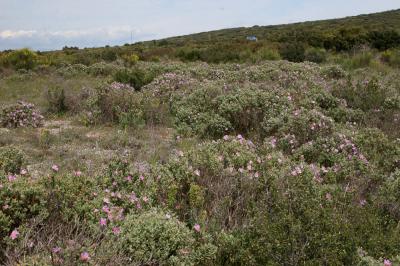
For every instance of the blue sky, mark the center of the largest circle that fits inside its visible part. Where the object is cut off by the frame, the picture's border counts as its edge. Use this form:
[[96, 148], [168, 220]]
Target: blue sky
[[51, 24]]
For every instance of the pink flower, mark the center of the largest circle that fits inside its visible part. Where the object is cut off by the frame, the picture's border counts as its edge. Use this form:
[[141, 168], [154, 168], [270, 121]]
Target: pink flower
[[196, 227], [55, 168], [106, 209], [363, 202], [116, 230], [129, 178], [239, 136], [103, 222], [12, 178], [85, 256], [226, 137], [141, 177], [78, 173], [387, 262], [273, 142], [145, 199], [24, 172], [56, 250], [14, 234]]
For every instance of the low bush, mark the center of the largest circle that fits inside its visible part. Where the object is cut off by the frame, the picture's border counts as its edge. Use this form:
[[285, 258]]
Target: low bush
[[134, 77], [391, 57], [130, 60], [11, 160], [315, 55], [293, 52], [154, 237], [21, 114], [365, 95], [21, 199], [21, 59], [56, 100]]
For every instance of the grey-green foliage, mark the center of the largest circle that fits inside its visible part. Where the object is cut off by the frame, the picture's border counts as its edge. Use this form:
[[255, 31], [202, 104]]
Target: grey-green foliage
[[157, 238], [11, 160]]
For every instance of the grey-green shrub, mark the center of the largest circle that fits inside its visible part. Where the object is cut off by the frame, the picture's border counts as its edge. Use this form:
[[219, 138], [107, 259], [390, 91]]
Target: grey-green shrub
[[155, 238], [11, 160]]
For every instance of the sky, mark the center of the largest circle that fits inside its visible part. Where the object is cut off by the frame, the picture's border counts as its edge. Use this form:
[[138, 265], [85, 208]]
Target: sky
[[52, 24]]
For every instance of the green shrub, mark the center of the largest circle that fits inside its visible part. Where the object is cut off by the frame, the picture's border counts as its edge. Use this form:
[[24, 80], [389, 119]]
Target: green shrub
[[268, 54], [360, 60], [316, 55], [391, 57], [131, 59], [21, 200], [153, 238], [135, 77], [293, 52], [56, 100], [365, 95], [334, 72], [21, 59], [11, 160]]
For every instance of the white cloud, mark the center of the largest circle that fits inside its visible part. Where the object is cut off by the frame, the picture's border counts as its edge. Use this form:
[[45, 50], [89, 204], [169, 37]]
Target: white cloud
[[10, 34], [109, 33]]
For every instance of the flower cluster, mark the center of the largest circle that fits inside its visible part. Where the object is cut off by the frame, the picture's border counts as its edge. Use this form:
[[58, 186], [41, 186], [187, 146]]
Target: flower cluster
[[22, 114]]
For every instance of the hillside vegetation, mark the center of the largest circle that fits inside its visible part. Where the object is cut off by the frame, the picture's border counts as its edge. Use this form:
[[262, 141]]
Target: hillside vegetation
[[110, 158]]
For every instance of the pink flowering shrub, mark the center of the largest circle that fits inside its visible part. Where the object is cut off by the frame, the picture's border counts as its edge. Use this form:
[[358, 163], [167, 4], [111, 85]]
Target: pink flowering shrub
[[21, 199], [21, 114], [219, 168]]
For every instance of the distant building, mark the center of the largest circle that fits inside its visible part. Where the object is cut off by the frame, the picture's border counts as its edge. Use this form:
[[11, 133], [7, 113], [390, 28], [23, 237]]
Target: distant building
[[252, 38]]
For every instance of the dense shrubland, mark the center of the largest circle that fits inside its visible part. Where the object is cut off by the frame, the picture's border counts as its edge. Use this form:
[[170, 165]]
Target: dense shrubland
[[268, 163], [255, 163]]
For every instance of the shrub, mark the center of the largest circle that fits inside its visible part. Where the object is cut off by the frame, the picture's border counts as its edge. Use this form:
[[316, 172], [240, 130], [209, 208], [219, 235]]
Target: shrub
[[21, 59], [365, 95], [11, 160], [211, 113], [226, 170], [268, 54], [293, 52], [334, 72], [120, 103], [102, 69], [389, 195], [391, 57], [360, 60], [56, 100], [135, 77], [131, 59], [153, 238], [21, 114], [315, 55], [21, 200]]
